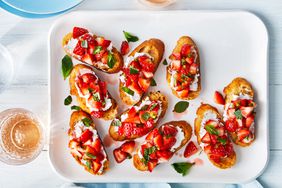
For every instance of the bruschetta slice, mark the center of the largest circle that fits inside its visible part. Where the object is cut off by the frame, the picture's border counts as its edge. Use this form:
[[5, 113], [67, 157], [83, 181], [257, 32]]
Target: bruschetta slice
[[239, 111], [139, 119], [85, 144], [139, 70], [92, 50], [213, 138], [183, 72], [161, 144], [91, 93]]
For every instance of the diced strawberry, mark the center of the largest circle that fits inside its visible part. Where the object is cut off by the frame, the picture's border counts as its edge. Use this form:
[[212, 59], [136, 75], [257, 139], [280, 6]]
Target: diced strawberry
[[220, 131], [96, 166], [207, 149], [100, 41], [152, 164], [91, 150], [190, 60], [90, 50], [128, 128], [104, 58], [215, 158], [175, 65], [190, 149], [148, 74], [185, 49], [230, 113], [134, 119], [146, 63], [95, 104], [243, 133], [131, 112], [139, 131], [73, 144], [144, 146], [86, 135], [88, 77], [103, 87], [97, 145], [168, 142], [231, 125], [158, 141], [218, 98], [97, 114], [119, 155], [246, 111], [99, 55], [183, 93], [152, 134], [244, 102], [219, 150], [128, 147], [149, 124], [213, 138], [250, 120], [88, 58], [90, 39], [78, 31], [193, 68], [75, 153], [169, 130], [176, 56], [212, 123], [135, 87], [124, 48], [206, 138], [164, 155], [78, 50], [144, 83], [106, 43], [99, 156]]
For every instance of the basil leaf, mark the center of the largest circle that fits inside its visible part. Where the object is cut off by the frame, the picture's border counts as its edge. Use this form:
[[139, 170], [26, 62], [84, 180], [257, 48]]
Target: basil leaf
[[211, 129], [74, 107], [87, 122], [148, 152], [238, 114], [128, 91], [153, 106], [129, 37], [182, 168], [165, 62], [90, 155], [116, 122], [88, 165], [84, 44], [67, 66], [146, 116], [221, 140], [133, 70], [96, 96], [111, 60], [90, 90], [153, 82], [68, 100], [97, 49], [181, 106]]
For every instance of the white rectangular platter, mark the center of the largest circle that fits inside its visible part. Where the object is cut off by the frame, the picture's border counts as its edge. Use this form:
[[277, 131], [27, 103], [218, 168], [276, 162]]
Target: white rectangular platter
[[231, 44]]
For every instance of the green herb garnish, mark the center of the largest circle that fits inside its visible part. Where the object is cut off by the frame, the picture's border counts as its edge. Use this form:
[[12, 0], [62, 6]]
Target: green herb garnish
[[74, 107], [128, 91], [68, 100], [96, 96], [133, 70], [221, 140], [182, 168], [181, 106], [146, 116], [148, 152], [153, 106], [116, 122], [153, 82], [84, 44], [129, 37], [86, 121], [97, 49], [211, 129], [238, 114], [111, 60], [88, 164], [90, 155], [165, 62], [67, 66]]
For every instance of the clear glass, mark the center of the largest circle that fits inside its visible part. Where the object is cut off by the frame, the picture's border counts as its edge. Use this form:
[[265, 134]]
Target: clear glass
[[6, 68], [21, 136], [157, 3]]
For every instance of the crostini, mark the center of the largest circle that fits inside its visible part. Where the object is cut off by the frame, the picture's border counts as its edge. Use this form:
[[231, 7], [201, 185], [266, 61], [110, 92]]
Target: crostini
[[239, 111], [85, 144], [161, 144], [183, 72], [139, 70], [92, 50], [91, 93], [213, 138], [139, 119]]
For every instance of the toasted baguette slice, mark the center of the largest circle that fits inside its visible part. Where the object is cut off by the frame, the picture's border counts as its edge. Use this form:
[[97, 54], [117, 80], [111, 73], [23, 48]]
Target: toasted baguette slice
[[224, 162], [155, 49], [118, 59], [240, 86], [116, 125], [183, 126], [108, 114], [84, 147], [187, 92]]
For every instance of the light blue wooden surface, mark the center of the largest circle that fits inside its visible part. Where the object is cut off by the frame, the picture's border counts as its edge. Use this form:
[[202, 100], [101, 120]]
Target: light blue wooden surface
[[29, 88]]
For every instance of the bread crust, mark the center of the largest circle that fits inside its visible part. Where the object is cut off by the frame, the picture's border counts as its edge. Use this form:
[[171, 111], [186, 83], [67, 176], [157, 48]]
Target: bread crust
[[181, 41], [226, 162], [117, 56], [152, 96], [107, 115], [237, 86], [78, 116], [187, 130], [155, 48]]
